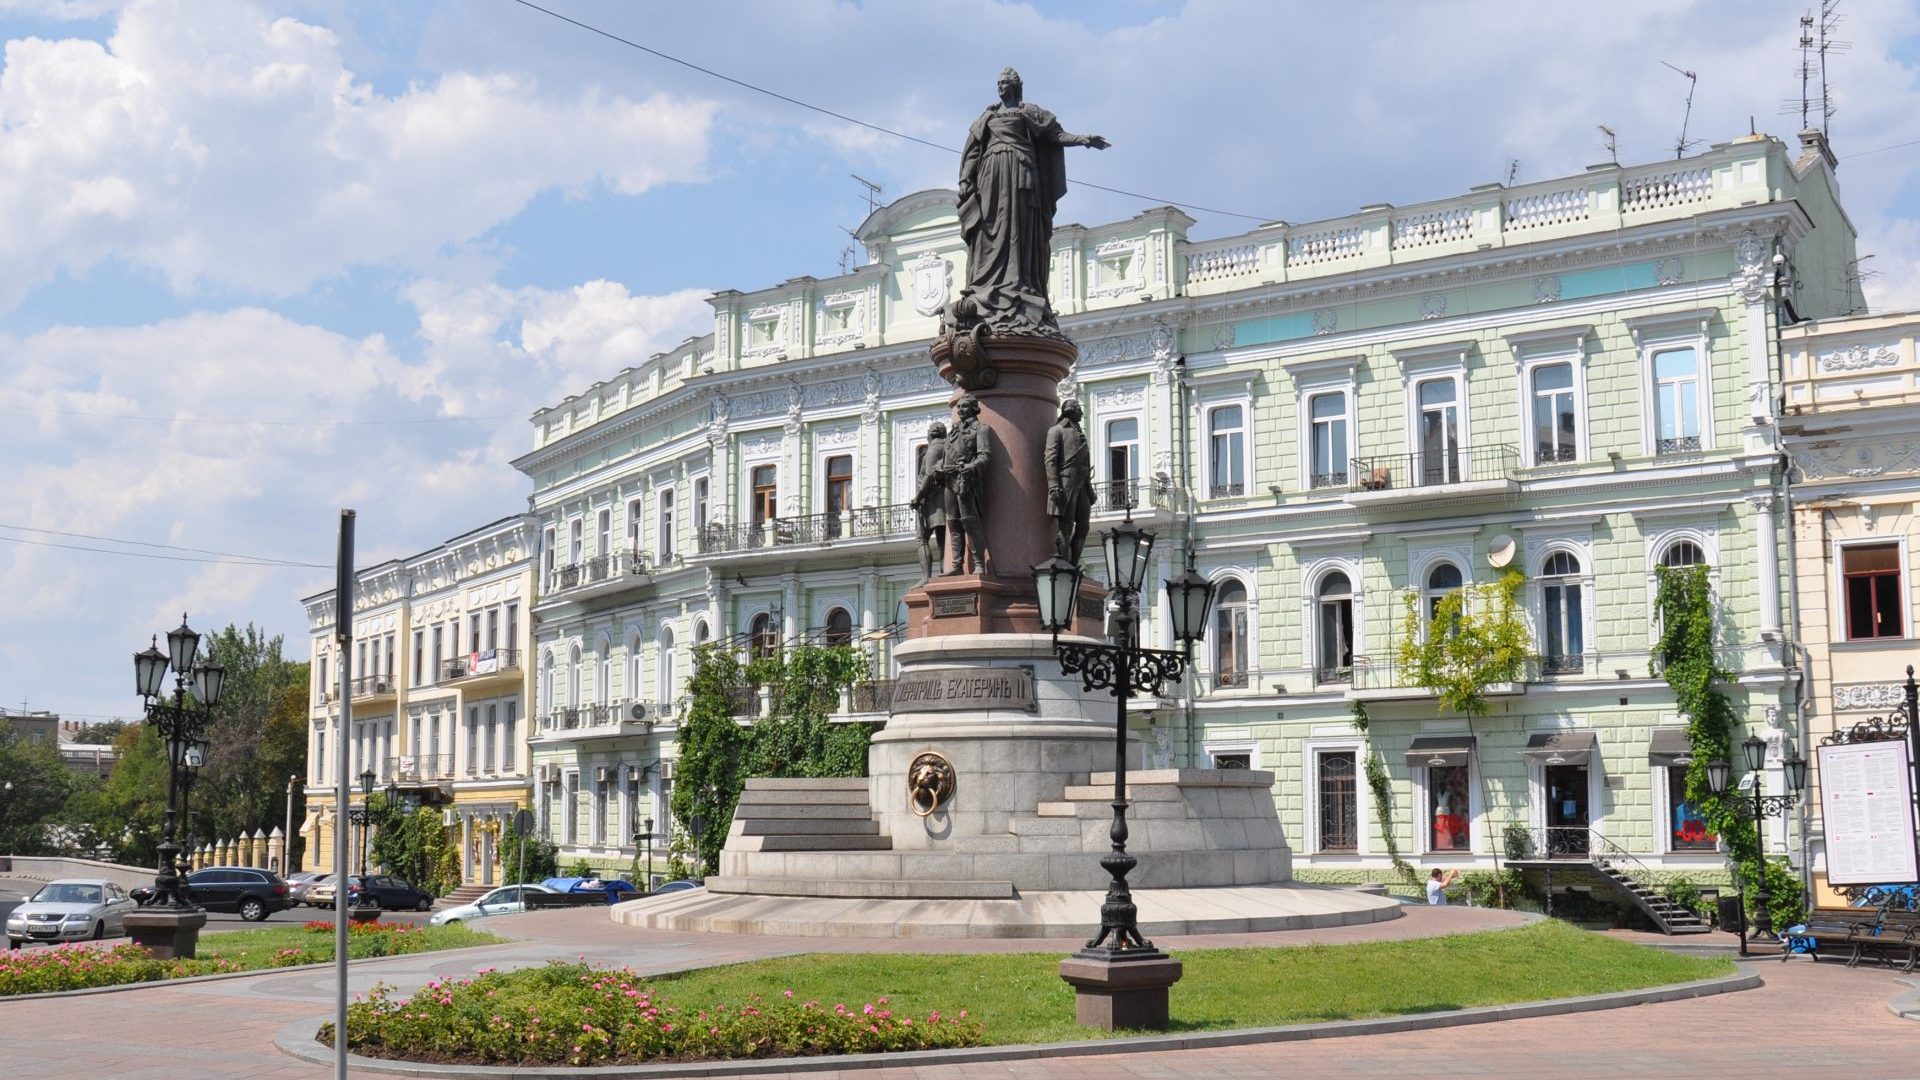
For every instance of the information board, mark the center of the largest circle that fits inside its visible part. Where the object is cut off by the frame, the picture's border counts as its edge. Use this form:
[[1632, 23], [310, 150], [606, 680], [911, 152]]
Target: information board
[[1866, 802]]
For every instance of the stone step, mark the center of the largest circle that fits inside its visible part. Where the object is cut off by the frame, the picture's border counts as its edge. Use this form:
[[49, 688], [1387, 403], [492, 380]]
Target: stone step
[[1048, 825], [825, 842], [837, 811], [808, 783], [805, 827], [1135, 792], [799, 797], [857, 888], [1057, 809]]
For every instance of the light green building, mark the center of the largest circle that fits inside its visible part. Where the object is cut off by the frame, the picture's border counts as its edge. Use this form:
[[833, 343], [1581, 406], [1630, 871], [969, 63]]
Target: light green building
[[1575, 379]]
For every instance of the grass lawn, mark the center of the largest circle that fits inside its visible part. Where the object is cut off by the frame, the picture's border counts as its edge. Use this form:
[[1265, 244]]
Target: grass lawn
[[74, 967], [1020, 997]]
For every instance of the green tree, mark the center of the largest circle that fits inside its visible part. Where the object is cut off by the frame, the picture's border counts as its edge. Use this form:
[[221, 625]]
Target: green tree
[[35, 788], [103, 733], [1474, 639], [542, 858], [257, 738], [413, 845], [713, 753], [129, 812]]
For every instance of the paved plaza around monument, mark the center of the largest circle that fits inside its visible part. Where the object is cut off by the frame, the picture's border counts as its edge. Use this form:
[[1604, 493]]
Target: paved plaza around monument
[[227, 1028]]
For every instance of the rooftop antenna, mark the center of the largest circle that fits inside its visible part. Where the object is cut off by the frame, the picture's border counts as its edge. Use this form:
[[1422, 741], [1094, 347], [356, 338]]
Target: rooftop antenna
[[846, 253], [1613, 143], [1829, 22], [1513, 170], [1816, 42], [873, 192], [1681, 145]]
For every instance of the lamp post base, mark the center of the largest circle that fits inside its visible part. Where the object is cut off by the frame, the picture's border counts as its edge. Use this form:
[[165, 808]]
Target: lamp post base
[[1115, 990], [168, 933]]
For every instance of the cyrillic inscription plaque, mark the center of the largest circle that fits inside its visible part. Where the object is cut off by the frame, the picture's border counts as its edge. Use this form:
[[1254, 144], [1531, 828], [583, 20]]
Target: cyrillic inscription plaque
[[954, 689]]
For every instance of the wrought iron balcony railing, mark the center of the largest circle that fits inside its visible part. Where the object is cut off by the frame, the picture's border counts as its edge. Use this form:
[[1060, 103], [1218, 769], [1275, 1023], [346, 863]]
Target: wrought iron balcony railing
[[596, 570], [892, 521], [1116, 496], [1685, 444], [475, 665], [374, 685], [1428, 469], [421, 768]]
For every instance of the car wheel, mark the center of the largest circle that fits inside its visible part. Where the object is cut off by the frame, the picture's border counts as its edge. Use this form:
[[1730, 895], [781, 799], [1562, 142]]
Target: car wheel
[[252, 910], [99, 930], [425, 903]]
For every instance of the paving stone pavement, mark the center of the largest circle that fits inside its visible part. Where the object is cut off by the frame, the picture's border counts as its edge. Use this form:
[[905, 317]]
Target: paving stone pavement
[[226, 1028]]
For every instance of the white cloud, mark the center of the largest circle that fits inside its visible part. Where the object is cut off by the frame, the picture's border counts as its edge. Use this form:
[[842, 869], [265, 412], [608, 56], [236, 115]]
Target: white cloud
[[220, 145]]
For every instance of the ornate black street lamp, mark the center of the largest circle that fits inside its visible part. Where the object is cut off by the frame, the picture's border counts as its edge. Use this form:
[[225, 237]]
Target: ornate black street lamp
[[362, 816], [180, 723], [1123, 668], [1719, 772]]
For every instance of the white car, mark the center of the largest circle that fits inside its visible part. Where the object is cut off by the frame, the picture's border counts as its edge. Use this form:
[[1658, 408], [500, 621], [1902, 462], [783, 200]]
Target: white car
[[71, 909], [502, 901]]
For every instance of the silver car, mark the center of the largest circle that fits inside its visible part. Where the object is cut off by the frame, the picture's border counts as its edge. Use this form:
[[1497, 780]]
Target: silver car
[[71, 909], [502, 901]]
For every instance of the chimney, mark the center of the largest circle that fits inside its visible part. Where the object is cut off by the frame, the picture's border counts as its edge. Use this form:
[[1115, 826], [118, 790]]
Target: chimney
[[1813, 143]]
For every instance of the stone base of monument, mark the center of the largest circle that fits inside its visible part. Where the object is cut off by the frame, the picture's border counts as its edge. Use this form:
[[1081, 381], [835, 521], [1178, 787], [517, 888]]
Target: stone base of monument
[[1121, 991], [168, 933]]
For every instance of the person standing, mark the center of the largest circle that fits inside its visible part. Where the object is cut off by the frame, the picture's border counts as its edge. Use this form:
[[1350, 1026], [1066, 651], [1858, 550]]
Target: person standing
[[1437, 884]]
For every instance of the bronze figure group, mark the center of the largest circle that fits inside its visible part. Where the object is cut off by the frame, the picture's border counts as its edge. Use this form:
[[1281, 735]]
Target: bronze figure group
[[953, 475]]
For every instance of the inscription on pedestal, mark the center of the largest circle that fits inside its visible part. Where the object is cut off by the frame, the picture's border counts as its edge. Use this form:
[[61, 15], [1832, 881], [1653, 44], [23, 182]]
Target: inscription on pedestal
[[963, 604], [952, 689]]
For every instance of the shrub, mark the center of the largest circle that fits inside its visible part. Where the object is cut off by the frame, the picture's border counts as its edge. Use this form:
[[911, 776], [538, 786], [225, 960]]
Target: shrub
[[1503, 888], [76, 967], [574, 1014]]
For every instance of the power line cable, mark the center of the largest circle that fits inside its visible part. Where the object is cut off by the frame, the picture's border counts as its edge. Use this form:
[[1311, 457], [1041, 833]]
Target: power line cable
[[253, 421], [152, 544], [1879, 150], [824, 111], [168, 558]]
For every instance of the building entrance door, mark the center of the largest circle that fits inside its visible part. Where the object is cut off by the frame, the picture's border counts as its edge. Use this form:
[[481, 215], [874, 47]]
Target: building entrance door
[[1566, 810], [486, 857]]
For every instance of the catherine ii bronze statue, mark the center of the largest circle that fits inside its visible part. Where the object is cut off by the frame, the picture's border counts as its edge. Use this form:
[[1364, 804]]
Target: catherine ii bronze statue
[[1012, 174]]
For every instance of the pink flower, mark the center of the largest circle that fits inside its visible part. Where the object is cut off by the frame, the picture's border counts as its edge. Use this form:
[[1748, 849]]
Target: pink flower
[[868, 1010], [787, 993]]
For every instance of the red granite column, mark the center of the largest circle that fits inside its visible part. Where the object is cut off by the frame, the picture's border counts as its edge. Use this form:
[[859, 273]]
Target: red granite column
[[1017, 410]]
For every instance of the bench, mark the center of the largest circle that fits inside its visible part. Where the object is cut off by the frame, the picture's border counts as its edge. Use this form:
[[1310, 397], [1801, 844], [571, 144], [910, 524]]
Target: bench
[[1836, 927], [1898, 933]]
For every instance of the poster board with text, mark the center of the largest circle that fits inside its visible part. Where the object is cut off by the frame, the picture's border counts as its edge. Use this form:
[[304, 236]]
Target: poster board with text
[[1866, 805]]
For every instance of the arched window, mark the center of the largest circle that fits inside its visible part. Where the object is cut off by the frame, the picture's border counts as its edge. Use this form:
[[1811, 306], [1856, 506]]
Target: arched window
[[700, 632], [1563, 613], [573, 678], [665, 692], [1443, 580], [1333, 652], [1682, 553], [839, 627], [603, 674], [763, 637], [1230, 651], [546, 684]]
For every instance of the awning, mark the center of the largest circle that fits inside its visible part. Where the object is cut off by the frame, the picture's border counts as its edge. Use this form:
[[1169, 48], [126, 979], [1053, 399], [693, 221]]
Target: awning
[[1670, 746], [1439, 750], [1561, 747]]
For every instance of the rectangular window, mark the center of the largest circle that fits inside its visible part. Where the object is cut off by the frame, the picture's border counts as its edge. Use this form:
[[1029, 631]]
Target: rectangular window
[[437, 672], [493, 629], [320, 754], [1686, 823], [839, 492], [700, 504], [473, 632], [1870, 575], [766, 494], [1447, 808], [1226, 449], [603, 532], [1123, 464], [1339, 810], [665, 530], [360, 660], [473, 739], [433, 747], [574, 543], [570, 809], [1553, 414], [321, 685], [388, 668], [600, 812], [492, 738], [1440, 450], [1676, 397], [419, 674], [635, 513], [1331, 453], [513, 629], [510, 746], [547, 552]]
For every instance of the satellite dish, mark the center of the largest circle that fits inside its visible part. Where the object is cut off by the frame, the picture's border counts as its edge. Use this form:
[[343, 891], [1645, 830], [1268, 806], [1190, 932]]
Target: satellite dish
[[1500, 550]]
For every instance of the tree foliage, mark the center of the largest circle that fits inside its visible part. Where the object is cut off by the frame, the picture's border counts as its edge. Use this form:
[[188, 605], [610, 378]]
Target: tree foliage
[[1685, 656], [104, 733], [543, 858], [413, 845], [1476, 638], [35, 789], [713, 753]]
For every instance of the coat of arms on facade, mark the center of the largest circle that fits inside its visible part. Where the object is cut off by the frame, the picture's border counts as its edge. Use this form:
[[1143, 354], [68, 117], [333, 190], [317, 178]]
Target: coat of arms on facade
[[929, 277]]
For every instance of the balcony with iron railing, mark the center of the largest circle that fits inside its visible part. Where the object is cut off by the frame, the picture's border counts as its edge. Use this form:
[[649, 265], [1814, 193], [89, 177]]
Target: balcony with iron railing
[[480, 665], [620, 717], [420, 769], [368, 687], [1137, 495], [1451, 473], [596, 574], [786, 535]]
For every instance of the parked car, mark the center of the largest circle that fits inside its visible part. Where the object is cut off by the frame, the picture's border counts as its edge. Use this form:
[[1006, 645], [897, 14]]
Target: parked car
[[501, 901], [254, 894], [676, 885], [71, 909], [582, 892], [388, 892], [300, 881]]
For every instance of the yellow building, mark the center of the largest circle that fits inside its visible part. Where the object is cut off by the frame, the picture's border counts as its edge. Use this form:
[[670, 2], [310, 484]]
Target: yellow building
[[440, 686], [1851, 428]]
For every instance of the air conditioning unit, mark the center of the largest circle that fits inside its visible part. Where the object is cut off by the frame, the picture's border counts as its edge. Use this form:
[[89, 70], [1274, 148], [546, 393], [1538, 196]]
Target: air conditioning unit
[[545, 774], [637, 711], [447, 818], [667, 769], [602, 774]]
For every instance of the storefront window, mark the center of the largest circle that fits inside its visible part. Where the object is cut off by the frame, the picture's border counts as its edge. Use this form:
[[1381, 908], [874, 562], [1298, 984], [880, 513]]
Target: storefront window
[[1447, 808], [1686, 825]]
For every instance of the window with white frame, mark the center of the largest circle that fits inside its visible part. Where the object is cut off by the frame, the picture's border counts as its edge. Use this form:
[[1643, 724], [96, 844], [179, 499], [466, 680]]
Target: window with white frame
[[603, 673], [1123, 463], [1555, 420], [1336, 795], [1872, 593], [838, 494], [635, 516], [664, 529], [320, 753], [603, 531], [763, 637], [601, 785], [573, 678], [1443, 580], [1439, 431], [1333, 629], [1687, 828], [546, 684], [1449, 806], [1329, 451], [1226, 451], [419, 677], [664, 693], [491, 758], [1676, 400], [321, 685], [765, 496], [699, 504], [1562, 613], [548, 550], [1681, 554], [473, 739], [574, 544], [570, 809], [1231, 651], [633, 666], [839, 628]]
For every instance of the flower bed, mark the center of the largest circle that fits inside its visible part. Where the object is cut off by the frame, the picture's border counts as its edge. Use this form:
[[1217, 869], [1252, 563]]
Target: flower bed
[[81, 966], [575, 1014]]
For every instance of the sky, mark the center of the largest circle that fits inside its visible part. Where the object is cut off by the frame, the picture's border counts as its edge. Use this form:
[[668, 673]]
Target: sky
[[260, 261]]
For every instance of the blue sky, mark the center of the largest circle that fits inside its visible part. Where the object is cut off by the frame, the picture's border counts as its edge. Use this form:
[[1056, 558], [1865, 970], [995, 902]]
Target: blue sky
[[250, 221]]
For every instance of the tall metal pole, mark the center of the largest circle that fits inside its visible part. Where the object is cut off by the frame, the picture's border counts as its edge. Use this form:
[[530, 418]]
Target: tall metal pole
[[1762, 900], [343, 636]]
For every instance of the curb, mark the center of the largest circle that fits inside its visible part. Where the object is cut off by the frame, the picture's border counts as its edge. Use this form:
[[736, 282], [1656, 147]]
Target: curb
[[1906, 1006], [222, 976], [297, 1040]]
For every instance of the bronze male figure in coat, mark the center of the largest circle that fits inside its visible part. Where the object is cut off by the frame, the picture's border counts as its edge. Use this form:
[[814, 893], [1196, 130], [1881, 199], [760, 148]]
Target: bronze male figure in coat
[[1069, 464]]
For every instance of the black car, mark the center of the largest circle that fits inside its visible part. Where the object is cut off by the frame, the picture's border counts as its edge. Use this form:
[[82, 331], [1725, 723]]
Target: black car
[[255, 894], [388, 892]]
